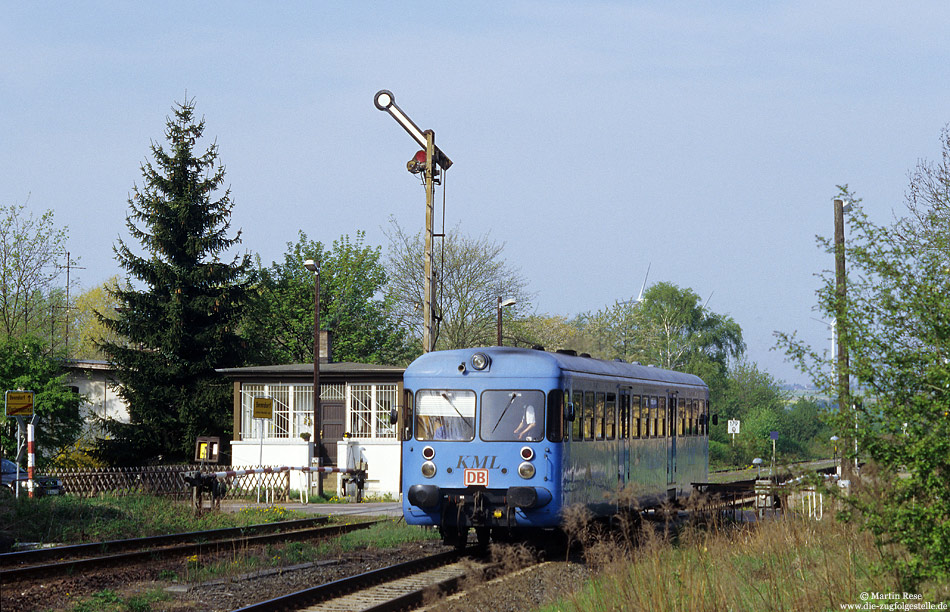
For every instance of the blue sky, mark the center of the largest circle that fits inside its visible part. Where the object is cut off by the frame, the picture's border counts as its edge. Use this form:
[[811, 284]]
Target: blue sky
[[593, 139]]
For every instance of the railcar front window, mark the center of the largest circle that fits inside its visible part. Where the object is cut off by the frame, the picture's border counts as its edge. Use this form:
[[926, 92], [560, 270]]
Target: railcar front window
[[513, 415], [445, 414]]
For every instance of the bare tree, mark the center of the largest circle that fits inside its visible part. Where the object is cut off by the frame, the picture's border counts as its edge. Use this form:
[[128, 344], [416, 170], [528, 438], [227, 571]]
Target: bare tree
[[29, 247], [471, 274]]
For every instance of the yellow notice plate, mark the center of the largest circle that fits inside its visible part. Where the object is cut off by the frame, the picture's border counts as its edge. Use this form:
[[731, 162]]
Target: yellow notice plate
[[19, 403], [263, 407]]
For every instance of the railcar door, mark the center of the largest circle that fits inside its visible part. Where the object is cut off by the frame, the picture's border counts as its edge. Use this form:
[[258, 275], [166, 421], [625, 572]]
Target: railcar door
[[671, 440], [624, 435]]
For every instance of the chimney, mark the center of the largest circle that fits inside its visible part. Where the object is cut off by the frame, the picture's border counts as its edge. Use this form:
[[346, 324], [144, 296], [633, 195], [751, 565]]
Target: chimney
[[326, 344]]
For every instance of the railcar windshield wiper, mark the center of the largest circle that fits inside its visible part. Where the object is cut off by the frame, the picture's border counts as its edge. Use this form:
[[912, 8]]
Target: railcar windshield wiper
[[511, 400], [446, 397]]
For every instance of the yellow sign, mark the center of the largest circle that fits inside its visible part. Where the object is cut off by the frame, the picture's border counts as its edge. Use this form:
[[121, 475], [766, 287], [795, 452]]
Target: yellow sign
[[19, 403], [263, 407]]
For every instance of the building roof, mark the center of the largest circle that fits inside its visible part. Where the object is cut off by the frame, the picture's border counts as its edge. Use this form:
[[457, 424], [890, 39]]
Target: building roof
[[329, 372]]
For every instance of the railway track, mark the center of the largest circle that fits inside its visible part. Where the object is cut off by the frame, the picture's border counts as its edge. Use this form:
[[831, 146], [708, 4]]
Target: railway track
[[67, 560], [398, 587]]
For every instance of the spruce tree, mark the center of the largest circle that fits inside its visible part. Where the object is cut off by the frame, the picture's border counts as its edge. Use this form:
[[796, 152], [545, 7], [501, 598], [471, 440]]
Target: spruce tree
[[179, 305]]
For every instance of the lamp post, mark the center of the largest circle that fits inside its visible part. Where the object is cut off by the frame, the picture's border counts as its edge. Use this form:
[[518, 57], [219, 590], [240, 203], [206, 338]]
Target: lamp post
[[386, 101], [503, 304], [841, 292], [317, 417]]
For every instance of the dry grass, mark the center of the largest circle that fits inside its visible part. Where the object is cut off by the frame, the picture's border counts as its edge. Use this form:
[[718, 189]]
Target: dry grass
[[788, 563]]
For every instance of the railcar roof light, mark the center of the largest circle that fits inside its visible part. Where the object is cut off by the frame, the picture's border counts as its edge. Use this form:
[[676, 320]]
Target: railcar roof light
[[480, 361]]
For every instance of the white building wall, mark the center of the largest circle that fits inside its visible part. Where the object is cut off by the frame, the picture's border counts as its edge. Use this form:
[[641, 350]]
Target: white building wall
[[274, 453], [95, 382], [382, 459]]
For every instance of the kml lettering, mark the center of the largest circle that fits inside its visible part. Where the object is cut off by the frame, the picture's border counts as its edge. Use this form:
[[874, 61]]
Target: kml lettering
[[474, 461]]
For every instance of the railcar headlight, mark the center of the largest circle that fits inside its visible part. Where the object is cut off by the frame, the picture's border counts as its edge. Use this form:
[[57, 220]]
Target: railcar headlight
[[428, 469], [428, 452], [526, 470], [527, 453], [480, 361]]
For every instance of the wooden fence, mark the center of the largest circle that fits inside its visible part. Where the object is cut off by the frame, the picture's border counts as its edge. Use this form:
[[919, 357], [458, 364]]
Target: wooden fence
[[163, 480]]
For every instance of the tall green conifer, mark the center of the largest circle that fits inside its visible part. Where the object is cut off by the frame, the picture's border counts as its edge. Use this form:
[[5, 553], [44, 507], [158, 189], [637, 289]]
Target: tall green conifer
[[179, 304]]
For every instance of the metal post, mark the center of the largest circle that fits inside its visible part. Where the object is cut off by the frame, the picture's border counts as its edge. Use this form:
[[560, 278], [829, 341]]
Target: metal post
[[314, 267], [843, 370], [499, 320], [317, 409], [428, 335]]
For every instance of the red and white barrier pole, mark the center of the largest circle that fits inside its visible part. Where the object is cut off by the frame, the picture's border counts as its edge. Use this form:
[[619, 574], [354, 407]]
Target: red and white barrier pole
[[30, 456]]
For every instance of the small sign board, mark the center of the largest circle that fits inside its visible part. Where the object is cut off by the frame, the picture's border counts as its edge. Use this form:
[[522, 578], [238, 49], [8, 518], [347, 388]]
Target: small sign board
[[733, 426], [206, 449], [773, 435], [19, 403], [263, 407]]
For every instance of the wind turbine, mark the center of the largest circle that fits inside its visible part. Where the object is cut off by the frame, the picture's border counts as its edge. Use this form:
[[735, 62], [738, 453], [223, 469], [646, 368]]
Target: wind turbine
[[644, 285]]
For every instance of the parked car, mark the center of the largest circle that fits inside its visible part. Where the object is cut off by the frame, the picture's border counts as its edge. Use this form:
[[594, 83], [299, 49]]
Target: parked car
[[42, 485]]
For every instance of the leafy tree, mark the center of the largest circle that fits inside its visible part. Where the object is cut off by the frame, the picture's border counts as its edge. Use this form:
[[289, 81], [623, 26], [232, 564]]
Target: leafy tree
[[181, 324], [29, 250], [676, 331], [896, 323], [668, 327], [25, 364], [472, 275], [279, 324], [88, 330], [550, 331]]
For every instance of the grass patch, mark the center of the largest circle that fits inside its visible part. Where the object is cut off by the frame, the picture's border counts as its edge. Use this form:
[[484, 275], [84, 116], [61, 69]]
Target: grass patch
[[70, 520], [111, 601], [786, 564]]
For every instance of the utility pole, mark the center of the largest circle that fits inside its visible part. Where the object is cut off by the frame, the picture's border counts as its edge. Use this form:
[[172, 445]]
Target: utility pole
[[843, 367], [428, 333], [386, 101]]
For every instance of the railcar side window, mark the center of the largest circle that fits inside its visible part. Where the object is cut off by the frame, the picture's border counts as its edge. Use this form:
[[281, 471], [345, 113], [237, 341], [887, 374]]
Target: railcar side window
[[589, 416], [577, 428], [662, 417], [406, 416], [681, 417], [512, 415], [445, 414], [653, 418], [635, 416], [610, 412], [599, 420], [555, 416], [694, 418]]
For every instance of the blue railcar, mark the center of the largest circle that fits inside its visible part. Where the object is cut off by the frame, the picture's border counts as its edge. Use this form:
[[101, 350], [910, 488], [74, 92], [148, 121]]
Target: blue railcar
[[504, 439]]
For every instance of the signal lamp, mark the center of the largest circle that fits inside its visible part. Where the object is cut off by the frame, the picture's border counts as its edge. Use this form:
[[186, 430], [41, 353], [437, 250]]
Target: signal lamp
[[526, 470]]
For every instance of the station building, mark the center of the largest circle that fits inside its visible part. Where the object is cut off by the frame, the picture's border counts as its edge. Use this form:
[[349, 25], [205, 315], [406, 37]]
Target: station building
[[356, 400]]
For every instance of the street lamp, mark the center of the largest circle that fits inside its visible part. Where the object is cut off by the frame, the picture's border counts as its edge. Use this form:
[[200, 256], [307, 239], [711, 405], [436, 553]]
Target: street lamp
[[317, 418], [503, 304], [386, 101]]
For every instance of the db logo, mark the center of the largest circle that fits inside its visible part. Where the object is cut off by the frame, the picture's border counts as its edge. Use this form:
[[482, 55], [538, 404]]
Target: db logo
[[476, 478]]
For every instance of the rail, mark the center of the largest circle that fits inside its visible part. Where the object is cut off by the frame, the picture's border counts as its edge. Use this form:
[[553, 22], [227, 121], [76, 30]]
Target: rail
[[391, 588], [145, 550]]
